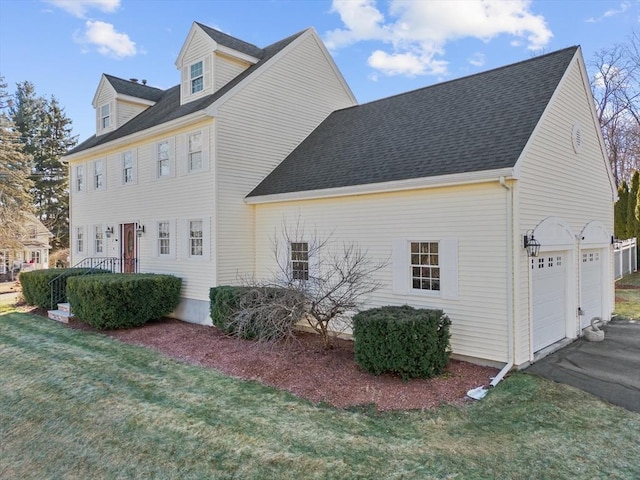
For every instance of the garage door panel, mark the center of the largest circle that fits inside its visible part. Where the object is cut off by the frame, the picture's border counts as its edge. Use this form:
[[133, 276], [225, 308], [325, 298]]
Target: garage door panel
[[591, 285], [549, 274]]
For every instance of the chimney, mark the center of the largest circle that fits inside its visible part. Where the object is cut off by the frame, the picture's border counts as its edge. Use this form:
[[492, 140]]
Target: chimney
[[144, 81]]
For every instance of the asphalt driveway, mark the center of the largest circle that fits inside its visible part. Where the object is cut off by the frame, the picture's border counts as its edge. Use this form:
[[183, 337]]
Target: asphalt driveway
[[609, 369]]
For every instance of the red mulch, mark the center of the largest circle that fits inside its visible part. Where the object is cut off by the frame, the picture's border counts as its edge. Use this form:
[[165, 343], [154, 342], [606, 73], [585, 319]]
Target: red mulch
[[304, 367]]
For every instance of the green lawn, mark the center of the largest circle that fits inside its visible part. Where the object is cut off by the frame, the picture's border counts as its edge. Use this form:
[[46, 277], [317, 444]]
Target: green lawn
[[628, 297], [80, 405]]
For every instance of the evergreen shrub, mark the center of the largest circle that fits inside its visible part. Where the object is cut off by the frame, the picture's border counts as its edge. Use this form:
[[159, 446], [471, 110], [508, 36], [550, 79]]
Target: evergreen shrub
[[122, 300], [225, 302], [409, 342], [35, 284]]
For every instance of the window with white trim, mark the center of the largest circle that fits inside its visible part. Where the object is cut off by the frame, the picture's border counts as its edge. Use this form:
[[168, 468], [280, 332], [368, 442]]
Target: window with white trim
[[80, 178], [79, 240], [196, 238], [35, 256], [163, 158], [299, 260], [98, 174], [127, 168], [98, 240], [164, 238], [196, 77], [425, 266], [105, 116], [194, 155]]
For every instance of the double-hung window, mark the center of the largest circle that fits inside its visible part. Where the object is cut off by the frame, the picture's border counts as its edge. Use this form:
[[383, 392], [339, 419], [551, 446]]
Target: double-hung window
[[197, 77], [196, 238], [164, 238], [195, 151], [105, 116], [425, 266], [300, 260], [80, 178], [79, 240], [99, 240], [127, 168], [98, 174], [162, 153]]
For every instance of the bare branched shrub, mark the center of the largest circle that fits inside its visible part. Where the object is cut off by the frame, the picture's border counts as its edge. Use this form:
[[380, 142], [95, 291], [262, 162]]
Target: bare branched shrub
[[330, 283], [267, 314]]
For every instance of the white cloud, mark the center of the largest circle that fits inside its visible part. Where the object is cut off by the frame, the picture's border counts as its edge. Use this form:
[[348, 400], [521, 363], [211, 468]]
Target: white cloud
[[417, 32], [108, 41], [477, 59], [612, 12], [79, 8]]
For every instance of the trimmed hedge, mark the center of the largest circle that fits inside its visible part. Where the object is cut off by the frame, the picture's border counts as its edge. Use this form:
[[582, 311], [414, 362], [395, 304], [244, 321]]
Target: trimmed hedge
[[412, 343], [224, 303], [122, 300], [35, 284]]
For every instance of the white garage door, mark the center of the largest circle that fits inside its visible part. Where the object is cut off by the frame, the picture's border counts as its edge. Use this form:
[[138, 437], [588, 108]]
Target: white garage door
[[549, 272], [590, 285]]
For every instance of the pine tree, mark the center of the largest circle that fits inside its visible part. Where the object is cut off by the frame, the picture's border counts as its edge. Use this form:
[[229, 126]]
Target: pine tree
[[620, 212], [45, 131], [633, 225], [15, 184]]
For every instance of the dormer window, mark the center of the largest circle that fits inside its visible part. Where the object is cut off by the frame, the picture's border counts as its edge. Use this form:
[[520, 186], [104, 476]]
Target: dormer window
[[105, 116], [197, 77]]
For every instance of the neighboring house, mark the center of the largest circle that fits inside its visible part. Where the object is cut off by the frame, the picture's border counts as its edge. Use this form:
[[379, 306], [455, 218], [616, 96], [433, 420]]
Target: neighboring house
[[444, 183], [29, 250]]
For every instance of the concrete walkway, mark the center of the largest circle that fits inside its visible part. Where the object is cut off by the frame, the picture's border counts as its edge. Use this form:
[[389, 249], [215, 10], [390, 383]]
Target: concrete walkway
[[609, 369]]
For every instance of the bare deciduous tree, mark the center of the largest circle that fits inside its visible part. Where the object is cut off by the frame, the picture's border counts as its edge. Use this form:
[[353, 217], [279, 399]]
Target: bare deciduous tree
[[616, 89], [326, 281]]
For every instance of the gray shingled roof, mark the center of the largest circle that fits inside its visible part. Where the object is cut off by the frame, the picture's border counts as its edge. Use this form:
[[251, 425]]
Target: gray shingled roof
[[168, 105], [232, 42], [475, 123], [138, 90]]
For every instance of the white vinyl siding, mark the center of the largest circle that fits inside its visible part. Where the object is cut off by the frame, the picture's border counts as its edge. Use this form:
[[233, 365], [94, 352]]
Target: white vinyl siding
[[469, 224], [549, 187], [226, 69], [197, 69], [127, 110], [148, 201], [256, 129]]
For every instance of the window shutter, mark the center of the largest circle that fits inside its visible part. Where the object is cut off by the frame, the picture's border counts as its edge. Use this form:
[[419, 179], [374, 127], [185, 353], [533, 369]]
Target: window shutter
[[206, 72], [173, 239], [449, 268], [186, 91], [400, 266], [172, 157], [182, 160], [205, 148], [206, 238], [134, 162]]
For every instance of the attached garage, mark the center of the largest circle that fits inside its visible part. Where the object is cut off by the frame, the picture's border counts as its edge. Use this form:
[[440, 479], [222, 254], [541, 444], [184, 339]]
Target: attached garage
[[591, 285], [549, 302]]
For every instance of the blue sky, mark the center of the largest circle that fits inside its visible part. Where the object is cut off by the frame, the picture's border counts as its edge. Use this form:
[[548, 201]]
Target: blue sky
[[381, 47]]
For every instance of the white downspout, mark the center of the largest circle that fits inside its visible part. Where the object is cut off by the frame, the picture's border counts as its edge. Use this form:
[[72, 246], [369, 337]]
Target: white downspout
[[510, 317]]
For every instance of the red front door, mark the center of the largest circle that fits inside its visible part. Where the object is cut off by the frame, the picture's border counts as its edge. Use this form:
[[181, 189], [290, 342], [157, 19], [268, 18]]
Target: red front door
[[129, 248]]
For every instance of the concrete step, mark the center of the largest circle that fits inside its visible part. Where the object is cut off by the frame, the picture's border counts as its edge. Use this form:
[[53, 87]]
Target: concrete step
[[60, 315], [65, 307]]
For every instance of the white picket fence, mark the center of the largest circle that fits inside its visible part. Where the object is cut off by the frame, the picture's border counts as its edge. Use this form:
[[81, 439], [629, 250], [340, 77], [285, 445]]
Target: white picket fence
[[624, 255]]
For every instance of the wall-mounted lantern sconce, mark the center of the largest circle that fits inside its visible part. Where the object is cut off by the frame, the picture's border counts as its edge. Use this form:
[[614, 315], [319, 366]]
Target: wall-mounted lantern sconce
[[140, 230], [109, 232], [531, 244]]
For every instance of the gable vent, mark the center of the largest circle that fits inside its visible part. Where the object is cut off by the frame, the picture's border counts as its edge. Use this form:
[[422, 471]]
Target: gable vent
[[576, 137]]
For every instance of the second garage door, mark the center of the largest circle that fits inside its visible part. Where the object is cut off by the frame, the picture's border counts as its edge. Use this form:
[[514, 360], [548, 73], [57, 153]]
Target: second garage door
[[549, 274]]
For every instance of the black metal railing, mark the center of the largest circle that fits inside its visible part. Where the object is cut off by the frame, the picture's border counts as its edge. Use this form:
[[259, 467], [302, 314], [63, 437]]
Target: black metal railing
[[90, 265]]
